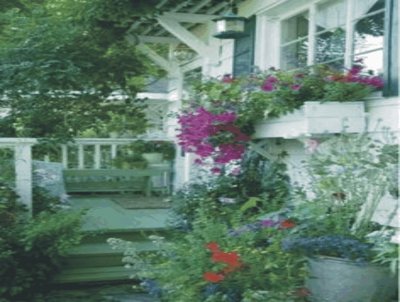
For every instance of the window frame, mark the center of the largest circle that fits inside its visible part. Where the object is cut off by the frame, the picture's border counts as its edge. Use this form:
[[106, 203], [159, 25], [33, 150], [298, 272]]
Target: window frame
[[312, 33]]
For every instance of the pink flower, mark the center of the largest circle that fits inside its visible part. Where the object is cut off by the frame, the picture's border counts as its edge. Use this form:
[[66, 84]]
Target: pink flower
[[268, 223], [227, 78], [312, 145], [235, 171], [269, 83], [355, 70], [212, 135], [216, 170], [295, 87]]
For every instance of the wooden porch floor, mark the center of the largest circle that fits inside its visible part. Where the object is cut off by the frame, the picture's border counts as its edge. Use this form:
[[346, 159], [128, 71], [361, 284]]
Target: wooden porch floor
[[104, 213]]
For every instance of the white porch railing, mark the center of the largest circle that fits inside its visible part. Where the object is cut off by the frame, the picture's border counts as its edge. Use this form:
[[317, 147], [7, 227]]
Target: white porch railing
[[102, 149]]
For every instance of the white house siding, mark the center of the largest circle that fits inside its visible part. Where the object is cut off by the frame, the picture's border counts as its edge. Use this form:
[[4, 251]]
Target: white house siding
[[381, 112]]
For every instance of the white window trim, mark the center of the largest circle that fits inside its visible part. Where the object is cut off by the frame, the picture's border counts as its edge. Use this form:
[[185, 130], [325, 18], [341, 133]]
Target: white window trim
[[275, 46]]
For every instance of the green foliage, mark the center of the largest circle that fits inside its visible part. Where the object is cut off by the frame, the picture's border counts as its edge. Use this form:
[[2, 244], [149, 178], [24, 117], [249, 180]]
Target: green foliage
[[59, 67], [43, 202], [166, 148], [339, 91], [178, 267], [346, 177], [224, 211], [31, 249], [274, 93], [7, 171], [129, 161], [260, 186], [349, 175]]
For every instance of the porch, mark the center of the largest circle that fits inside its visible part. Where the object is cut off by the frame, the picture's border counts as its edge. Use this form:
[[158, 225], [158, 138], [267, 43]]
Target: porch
[[112, 216], [131, 204]]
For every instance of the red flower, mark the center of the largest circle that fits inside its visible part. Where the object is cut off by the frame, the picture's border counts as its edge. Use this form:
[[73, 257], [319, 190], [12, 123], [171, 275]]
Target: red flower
[[231, 259], [287, 224], [213, 277], [213, 247]]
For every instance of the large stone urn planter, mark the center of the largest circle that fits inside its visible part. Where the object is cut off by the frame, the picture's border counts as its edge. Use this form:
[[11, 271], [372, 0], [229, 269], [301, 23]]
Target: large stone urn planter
[[334, 279]]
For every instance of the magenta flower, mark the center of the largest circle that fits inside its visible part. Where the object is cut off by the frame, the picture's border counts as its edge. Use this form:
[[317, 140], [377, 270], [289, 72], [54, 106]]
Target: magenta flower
[[212, 135], [268, 223], [216, 170], [269, 83], [295, 87], [355, 70], [227, 78]]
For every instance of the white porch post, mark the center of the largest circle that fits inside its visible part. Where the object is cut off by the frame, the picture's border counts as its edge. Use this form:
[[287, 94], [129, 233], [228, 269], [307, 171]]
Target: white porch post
[[23, 173]]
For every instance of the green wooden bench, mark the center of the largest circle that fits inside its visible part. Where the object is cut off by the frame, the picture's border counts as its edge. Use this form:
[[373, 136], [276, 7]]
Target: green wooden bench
[[112, 180]]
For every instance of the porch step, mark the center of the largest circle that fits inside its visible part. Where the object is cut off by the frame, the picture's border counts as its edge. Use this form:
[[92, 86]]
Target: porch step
[[98, 262], [93, 274], [94, 259]]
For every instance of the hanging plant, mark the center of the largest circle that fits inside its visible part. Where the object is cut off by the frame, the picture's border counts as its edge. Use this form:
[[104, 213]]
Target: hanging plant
[[213, 135]]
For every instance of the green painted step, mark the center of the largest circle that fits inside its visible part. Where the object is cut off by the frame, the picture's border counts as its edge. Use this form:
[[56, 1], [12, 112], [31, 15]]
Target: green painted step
[[94, 259], [93, 274]]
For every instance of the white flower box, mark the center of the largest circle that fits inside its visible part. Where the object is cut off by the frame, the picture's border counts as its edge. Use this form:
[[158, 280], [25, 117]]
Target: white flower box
[[315, 118]]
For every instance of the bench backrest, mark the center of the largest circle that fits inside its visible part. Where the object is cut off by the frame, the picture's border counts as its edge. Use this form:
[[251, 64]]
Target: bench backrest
[[111, 180]]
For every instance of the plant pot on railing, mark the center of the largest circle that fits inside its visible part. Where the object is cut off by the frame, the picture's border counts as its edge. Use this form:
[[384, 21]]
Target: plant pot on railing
[[334, 279], [153, 158]]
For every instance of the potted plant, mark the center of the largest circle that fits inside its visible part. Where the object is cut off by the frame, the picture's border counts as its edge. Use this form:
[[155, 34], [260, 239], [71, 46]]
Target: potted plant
[[334, 225], [154, 151], [129, 161], [224, 113]]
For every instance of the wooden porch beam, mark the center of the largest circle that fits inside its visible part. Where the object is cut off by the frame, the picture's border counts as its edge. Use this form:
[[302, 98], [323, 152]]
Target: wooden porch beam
[[185, 36], [156, 58], [158, 39], [190, 18]]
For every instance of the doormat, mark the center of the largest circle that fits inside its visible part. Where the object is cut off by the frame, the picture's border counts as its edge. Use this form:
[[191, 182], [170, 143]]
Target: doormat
[[142, 202]]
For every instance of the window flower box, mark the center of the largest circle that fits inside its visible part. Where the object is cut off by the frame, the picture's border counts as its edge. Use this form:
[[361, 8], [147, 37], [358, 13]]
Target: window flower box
[[315, 118]]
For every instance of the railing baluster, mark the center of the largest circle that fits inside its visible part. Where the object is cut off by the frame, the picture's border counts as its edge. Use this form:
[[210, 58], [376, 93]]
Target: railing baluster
[[64, 156], [113, 151], [81, 157], [97, 156]]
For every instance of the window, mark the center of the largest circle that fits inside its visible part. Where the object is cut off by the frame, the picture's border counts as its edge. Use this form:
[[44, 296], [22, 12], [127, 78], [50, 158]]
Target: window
[[294, 45], [368, 33], [335, 32], [330, 33]]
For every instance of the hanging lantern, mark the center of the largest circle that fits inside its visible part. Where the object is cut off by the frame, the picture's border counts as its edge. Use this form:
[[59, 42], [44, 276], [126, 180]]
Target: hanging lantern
[[230, 25]]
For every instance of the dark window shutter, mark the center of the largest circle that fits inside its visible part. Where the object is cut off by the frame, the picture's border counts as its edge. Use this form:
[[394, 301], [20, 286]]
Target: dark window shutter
[[243, 54], [391, 61]]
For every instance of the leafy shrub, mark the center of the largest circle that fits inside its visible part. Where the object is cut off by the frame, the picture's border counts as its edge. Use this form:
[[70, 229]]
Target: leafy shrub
[[227, 253], [334, 246], [261, 184], [31, 249]]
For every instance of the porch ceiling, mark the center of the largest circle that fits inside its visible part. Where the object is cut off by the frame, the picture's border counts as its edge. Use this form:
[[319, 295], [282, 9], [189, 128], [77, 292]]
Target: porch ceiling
[[149, 30]]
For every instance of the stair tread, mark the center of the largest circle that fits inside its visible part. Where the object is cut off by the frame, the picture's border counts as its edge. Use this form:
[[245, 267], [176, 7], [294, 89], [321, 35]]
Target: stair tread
[[105, 248], [104, 214], [70, 275]]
